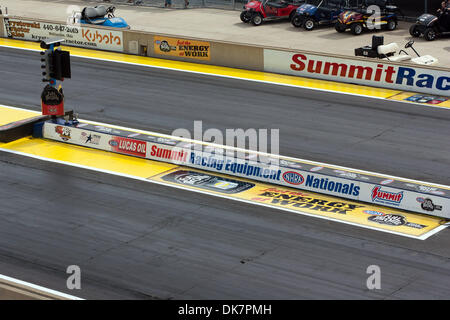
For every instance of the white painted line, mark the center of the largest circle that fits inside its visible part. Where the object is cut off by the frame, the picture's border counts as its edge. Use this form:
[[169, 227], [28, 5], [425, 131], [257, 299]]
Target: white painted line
[[318, 164], [422, 237], [39, 288], [242, 78]]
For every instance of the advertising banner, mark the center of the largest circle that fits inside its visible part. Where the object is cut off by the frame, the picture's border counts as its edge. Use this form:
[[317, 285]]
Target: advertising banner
[[305, 202], [183, 48], [74, 35], [376, 73], [376, 190]]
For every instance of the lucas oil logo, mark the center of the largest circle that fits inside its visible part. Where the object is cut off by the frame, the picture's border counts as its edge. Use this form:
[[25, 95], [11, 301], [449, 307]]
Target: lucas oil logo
[[381, 196], [293, 177]]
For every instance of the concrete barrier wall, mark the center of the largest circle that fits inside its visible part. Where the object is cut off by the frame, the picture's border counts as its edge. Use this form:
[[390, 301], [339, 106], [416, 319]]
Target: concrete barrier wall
[[427, 79], [375, 189], [225, 54]]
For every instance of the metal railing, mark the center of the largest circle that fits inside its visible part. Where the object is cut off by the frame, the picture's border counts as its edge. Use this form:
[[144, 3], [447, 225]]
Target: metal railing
[[177, 4]]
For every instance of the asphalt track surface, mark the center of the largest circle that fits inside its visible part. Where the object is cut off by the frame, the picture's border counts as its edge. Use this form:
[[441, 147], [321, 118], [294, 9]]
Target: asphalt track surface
[[138, 240]]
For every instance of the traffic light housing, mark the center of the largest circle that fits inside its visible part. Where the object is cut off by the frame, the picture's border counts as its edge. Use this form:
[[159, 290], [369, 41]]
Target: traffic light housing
[[56, 64], [61, 65], [46, 64]]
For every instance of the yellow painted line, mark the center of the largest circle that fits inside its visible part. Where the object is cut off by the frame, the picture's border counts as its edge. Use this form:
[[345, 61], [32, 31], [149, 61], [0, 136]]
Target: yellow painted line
[[88, 157], [8, 115], [214, 70]]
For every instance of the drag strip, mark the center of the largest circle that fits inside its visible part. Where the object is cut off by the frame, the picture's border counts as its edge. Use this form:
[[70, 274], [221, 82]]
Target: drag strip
[[133, 239], [369, 134]]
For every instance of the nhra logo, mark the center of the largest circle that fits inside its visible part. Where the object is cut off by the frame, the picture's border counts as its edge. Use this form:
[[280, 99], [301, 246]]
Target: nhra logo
[[378, 195], [374, 213], [293, 178]]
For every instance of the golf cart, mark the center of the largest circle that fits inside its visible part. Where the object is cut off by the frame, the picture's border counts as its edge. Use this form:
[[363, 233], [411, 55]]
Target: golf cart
[[100, 15], [392, 52], [364, 19], [257, 12], [431, 26], [319, 12]]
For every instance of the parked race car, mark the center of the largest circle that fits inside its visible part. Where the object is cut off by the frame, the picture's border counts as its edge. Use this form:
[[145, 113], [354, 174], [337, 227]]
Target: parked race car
[[320, 12], [100, 15], [257, 12], [365, 18], [431, 26]]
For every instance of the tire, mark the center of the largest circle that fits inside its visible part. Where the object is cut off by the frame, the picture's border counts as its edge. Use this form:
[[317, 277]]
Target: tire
[[309, 24], [429, 34], [340, 27], [413, 30], [245, 16], [356, 29], [297, 21], [292, 15], [257, 19], [391, 25]]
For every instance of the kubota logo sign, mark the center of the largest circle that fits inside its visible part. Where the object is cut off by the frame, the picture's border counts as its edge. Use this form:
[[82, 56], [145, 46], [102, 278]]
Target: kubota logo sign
[[74, 35], [377, 74]]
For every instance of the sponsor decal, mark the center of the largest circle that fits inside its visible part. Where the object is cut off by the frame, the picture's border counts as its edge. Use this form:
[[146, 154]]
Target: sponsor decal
[[373, 212], [395, 220], [199, 50], [426, 189], [162, 153], [290, 164], [208, 181], [307, 201], [381, 73], [293, 177], [79, 36], [129, 146], [389, 219], [113, 143], [231, 166], [409, 78], [89, 137], [63, 132], [428, 205], [107, 130], [426, 99], [332, 186], [386, 197]]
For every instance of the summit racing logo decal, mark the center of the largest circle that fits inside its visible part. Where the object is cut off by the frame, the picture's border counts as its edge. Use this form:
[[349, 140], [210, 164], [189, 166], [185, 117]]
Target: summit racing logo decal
[[386, 197], [304, 201], [408, 78], [397, 75], [293, 177]]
